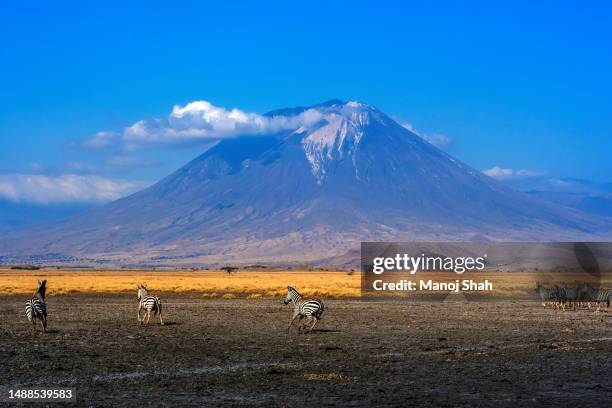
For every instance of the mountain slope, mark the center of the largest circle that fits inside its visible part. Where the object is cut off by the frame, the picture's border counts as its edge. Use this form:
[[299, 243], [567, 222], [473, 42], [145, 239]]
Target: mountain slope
[[305, 195], [597, 203]]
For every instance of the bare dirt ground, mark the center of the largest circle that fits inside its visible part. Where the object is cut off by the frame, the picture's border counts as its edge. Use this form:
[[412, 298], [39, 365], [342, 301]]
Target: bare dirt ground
[[216, 352]]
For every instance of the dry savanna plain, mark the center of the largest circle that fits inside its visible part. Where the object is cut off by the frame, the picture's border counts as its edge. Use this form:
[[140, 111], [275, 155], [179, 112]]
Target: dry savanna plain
[[225, 344]]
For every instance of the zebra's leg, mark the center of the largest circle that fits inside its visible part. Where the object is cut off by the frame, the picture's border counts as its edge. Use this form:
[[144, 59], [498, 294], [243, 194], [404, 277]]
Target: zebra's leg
[[43, 321], [306, 324], [161, 319], [148, 317], [314, 323], [301, 325], [295, 315], [139, 310]]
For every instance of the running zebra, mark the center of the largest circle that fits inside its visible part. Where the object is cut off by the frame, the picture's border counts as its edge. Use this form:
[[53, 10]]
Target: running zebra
[[35, 308], [310, 308], [148, 304]]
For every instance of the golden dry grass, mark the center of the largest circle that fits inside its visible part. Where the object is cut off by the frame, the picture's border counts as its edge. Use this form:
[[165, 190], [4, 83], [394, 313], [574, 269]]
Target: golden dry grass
[[243, 284]]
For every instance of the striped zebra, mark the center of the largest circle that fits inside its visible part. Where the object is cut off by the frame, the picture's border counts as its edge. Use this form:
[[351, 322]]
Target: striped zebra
[[567, 296], [35, 308], [310, 308], [586, 294], [148, 304], [548, 296], [601, 296]]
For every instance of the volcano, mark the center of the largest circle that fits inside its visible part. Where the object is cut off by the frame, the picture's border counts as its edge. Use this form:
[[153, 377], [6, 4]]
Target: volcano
[[307, 195]]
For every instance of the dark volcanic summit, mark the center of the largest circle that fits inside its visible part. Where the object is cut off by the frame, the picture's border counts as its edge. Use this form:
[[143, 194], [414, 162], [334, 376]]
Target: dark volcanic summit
[[305, 195]]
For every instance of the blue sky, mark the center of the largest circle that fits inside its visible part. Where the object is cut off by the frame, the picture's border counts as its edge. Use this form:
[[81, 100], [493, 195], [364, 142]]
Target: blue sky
[[523, 89]]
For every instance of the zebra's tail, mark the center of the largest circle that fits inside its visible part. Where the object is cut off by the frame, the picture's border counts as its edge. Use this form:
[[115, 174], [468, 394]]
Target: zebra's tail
[[320, 311]]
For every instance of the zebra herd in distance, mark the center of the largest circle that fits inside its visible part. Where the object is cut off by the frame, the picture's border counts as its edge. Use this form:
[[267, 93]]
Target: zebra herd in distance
[[563, 296], [311, 309]]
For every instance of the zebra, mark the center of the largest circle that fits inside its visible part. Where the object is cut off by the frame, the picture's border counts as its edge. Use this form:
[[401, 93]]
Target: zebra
[[35, 308], [567, 296], [548, 296], [148, 304], [585, 294], [602, 295], [310, 308]]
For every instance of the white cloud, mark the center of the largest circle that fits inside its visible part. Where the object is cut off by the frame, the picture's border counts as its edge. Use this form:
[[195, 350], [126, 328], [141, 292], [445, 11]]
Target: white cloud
[[66, 188], [101, 140], [500, 173], [79, 167], [197, 121], [436, 139]]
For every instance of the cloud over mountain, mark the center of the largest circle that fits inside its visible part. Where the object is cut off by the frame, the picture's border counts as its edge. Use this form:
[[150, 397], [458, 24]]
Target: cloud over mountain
[[436, 139], [501, 173], [65, 188], [199, 121]]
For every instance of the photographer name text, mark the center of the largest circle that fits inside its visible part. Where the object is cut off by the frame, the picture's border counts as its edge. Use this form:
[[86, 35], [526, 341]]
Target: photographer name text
[[467, 285]]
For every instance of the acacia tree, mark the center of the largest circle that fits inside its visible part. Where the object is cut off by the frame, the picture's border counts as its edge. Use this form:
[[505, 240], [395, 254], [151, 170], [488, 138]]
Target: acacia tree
[[229, 269]]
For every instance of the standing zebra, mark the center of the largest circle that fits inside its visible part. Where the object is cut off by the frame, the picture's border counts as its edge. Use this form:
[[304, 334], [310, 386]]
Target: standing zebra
[[547, 295], [311, 308], [148, 304], [35, 308], [568, 296], [601, 296], [586, 294]]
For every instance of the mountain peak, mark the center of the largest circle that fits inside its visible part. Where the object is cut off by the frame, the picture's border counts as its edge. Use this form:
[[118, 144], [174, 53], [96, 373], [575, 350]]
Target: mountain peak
[[339, 105], [334, 141], [329, 103], [332, 105]]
